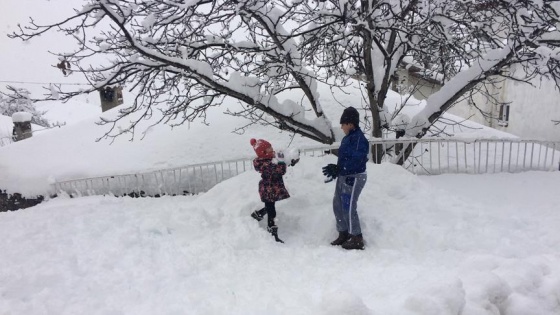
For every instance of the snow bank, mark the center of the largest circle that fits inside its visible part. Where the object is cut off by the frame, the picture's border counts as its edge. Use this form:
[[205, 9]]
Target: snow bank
[[431, 249]]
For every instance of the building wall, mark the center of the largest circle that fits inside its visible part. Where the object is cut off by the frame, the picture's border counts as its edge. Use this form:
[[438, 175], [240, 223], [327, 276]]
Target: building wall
[[531, 108], [468, 110], [422, 88]]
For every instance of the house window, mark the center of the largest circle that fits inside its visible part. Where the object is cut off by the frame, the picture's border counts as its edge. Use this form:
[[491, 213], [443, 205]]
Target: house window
[[503, 119]]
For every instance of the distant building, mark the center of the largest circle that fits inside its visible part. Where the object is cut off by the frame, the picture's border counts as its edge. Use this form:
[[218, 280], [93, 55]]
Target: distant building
[[519, 108], [110, 97], [22, 126]]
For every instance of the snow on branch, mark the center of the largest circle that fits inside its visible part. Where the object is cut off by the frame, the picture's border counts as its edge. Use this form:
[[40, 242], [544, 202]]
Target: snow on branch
[[182, 57]]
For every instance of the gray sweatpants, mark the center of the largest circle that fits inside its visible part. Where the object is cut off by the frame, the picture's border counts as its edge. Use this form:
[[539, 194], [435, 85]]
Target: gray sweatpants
[[345, 202]]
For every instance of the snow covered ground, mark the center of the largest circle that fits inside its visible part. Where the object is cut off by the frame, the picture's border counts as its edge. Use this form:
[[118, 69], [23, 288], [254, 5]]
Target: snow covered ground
[[450, 244]]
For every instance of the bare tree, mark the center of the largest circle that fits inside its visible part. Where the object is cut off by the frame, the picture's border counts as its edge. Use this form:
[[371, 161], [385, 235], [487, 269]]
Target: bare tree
[[186, 56], [462, 44]]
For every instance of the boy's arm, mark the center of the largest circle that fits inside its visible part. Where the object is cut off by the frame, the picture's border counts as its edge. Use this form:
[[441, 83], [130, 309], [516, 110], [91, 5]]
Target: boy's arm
[[363, 147]]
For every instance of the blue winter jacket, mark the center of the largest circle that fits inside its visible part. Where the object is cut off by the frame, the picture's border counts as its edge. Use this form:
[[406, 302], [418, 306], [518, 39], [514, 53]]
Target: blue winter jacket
[[352, 154]]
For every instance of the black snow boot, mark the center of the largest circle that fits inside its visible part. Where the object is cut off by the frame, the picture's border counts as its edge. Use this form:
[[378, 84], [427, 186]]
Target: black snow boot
[[342, 237], [274, 231], [354, 242], [258, 214]]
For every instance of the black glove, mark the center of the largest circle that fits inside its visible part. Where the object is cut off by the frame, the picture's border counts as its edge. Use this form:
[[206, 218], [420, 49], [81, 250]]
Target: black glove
[[330, 171], [294, 162]]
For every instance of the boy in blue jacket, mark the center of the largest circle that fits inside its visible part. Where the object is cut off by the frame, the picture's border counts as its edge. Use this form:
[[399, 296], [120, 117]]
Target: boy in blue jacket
[[351, 173]]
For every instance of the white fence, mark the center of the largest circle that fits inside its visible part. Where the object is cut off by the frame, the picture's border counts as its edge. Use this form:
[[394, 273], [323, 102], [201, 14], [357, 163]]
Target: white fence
[[191, 179], [439, 156], [429, 157]]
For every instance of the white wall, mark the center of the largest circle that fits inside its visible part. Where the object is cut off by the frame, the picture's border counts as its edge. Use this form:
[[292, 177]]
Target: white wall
[[470, 111], [532, 108], [422, 88]]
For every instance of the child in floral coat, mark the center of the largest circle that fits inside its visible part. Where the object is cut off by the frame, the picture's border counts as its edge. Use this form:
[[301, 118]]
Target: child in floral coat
[[271, 185]]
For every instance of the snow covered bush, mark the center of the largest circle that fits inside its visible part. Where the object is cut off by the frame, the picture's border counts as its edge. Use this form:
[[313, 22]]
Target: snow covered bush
[[19, 101]]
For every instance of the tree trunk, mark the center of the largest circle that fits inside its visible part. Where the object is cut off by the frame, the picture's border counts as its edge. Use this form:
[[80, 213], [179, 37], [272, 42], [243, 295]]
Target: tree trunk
[[403, 155], [376, 129]]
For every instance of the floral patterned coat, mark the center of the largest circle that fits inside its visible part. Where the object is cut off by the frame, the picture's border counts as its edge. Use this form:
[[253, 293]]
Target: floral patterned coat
[[271, 186]]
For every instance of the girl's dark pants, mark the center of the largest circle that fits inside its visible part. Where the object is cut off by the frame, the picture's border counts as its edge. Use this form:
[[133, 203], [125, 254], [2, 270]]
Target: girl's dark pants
[[271, 212]]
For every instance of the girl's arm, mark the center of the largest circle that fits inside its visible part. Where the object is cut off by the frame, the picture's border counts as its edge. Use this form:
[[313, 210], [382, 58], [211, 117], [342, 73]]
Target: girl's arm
[[268, 168]]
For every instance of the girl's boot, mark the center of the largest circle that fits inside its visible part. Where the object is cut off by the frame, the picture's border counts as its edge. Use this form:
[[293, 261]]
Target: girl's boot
[[258, 214], [274, 231]]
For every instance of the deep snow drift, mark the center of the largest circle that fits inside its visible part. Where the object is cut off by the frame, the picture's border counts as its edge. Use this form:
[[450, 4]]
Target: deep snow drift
[[450, 244]]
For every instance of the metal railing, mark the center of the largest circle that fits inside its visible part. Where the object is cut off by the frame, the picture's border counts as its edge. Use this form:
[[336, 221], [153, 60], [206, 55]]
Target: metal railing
[[190, 179], [427, 157], [440, 156]]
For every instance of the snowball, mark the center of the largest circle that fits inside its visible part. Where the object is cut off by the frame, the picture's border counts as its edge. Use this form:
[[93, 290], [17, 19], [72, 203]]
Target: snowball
[[289, 153]]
